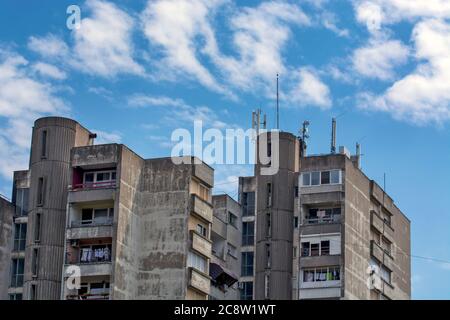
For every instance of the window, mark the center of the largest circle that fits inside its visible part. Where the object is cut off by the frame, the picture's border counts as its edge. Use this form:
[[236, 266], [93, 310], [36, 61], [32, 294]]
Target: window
[[266, 286], [232, 219], [232, 251], [37, 228], [325, 177], [33, 292], [95, 253], [295, 222], [294, 252], [44, 144], [248, 204], [268, 258], [296, 191], [269, 195], [386, 245], [315, 178], [201, 230], [91, 216], [315, 249], [20, 236], [247, 264], [35, 262], [21, 201], [204, 192], [306, 181], [325, 248], [385, 274], [247, 290], [100, 177], [15, 296], [248, 233], [268, 225], [321, 274], [40, 191], [335, 176], [197, 262], [17, 271], [305, 249]]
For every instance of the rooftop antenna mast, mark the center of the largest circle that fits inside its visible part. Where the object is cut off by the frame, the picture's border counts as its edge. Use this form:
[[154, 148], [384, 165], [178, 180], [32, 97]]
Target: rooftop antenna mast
[[278, 106], [305, 136], [333, 135]]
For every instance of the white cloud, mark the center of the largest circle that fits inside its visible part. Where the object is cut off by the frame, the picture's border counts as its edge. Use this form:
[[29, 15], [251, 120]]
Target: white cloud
[[424, 95], [49, 70], [174, 26], [381, 12], [379, 58], [329, 21], [259, 36], [141, 100], [49, 46], [102, 46], [184, 32], [310, 90], [226, 178], [22, 100]]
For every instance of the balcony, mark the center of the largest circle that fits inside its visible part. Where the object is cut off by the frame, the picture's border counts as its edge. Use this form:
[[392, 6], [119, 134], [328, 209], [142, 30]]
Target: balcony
[[89, 296], [381, 226], [381, 255], [199, 281], [201, 244], [321, 220], [219, 227], [86, 192], [201, 208], [88, 269], [89, 231]]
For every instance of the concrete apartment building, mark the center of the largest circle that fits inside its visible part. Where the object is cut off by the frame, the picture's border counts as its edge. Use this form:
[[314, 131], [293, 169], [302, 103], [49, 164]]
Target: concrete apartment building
[[247, 197], [137, 228], [6, 234], [225, 264], [325, 231], [132, 228]]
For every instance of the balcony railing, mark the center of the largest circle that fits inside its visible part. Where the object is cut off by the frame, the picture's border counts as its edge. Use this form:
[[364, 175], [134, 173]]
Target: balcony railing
[[93, 185], [325, 219], [89, 296], [92, 223]]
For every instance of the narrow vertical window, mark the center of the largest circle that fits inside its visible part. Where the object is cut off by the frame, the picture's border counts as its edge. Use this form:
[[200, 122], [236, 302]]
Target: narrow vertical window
[[37, 228], [268, 259], [35, 262], [268, 225], [266, 286], [44, 144], [269, 195], [33, 292], [40, 191]]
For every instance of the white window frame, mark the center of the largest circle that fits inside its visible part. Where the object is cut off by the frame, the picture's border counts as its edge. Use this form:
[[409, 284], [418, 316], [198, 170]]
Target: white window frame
[[98, 172]]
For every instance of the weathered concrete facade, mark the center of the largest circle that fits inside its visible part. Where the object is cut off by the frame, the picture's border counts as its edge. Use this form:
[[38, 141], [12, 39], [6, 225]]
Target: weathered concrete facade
[[326, 231], [158, 227], [247, 199], [225, 265], [6, 236]]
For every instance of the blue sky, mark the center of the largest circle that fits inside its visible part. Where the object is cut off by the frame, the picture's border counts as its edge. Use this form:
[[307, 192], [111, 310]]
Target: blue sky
[[136, 70]]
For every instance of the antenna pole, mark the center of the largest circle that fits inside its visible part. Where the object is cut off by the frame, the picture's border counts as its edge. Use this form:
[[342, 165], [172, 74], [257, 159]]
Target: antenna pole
[[278, 106], [333, 135]]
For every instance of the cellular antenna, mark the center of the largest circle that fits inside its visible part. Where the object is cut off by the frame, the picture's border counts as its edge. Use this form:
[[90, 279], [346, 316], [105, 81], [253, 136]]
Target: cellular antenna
[[333, 135], [305, 136]]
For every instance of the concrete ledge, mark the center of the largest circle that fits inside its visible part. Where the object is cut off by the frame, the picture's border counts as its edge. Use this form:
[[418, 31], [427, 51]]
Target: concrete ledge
[[91, 195], [89, 232]]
